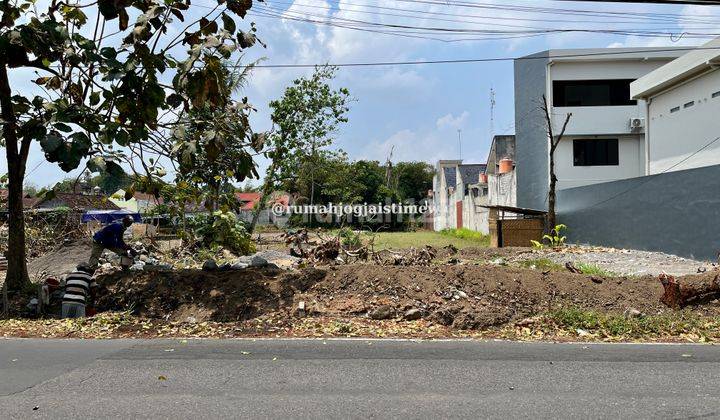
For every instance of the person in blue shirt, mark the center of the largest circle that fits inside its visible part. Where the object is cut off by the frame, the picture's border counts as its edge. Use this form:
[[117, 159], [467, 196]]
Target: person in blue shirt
[[111, 238]]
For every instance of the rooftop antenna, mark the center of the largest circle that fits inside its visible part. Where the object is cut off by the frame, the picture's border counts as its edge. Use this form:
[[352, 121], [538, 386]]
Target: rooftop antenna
[[492, 113], [460, 142]]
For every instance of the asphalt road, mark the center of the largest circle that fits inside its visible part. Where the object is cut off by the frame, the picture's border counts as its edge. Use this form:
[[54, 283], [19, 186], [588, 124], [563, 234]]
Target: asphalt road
[[355, 379]]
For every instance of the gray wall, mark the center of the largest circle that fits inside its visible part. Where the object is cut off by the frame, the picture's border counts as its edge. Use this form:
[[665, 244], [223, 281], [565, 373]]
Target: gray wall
[[531, 144], [675, 212]]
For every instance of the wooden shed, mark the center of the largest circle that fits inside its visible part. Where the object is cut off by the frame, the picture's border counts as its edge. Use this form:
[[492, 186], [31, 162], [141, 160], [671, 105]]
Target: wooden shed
[[515, 226]]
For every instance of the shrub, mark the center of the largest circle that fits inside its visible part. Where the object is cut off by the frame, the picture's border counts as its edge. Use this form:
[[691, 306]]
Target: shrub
[[349, 238], [222, 228]]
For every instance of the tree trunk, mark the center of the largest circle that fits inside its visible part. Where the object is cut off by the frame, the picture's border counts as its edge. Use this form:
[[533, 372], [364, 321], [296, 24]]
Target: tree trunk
[[551, 218], [678, 295], [554, 142], [17, 275]]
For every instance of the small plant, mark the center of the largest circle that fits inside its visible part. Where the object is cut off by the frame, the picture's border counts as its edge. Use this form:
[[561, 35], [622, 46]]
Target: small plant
[[349, 238], [554, 238], [537, 245], [594, 270]]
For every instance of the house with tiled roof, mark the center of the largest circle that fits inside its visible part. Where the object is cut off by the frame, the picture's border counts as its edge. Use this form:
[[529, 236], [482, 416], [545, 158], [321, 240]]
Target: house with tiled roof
[[247, 200], [77, 202]]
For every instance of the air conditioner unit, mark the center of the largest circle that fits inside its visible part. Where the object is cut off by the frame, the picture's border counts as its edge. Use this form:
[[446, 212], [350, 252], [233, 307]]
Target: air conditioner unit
[[637, 123]]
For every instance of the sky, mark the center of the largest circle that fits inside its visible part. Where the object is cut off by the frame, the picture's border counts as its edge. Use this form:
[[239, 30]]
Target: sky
[[431, 111]]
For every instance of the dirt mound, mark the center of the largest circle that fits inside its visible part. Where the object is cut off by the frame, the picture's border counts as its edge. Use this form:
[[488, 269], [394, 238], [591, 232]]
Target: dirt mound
[[461, 296], [61, 260], [197, 295]]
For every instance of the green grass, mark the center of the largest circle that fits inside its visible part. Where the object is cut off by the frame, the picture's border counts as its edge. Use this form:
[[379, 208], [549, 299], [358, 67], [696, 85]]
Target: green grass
[[594, 270], [613, 325], [403, 240], [467, 234], [543, 264]]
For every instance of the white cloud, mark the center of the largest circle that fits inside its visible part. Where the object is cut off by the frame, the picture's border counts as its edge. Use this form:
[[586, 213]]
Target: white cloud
[[450, 121]]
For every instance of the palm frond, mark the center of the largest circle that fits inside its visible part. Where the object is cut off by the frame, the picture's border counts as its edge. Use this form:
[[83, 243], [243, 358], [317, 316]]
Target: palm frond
[[240, 74]]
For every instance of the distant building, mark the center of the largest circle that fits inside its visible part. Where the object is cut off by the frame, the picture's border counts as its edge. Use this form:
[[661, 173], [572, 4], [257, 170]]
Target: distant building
[[247, 200], [77, 202], [140, 202], [28, 201], [451, 184]]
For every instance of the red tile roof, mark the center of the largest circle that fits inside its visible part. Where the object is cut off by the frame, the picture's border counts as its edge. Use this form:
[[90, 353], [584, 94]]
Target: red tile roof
[[247, 199]]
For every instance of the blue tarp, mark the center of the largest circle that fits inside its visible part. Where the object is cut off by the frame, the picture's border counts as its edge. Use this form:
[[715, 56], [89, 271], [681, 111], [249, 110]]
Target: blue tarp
[[109, 216]]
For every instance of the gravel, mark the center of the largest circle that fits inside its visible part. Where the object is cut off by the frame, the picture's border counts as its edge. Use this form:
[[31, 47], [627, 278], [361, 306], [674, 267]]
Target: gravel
[[628, 262]]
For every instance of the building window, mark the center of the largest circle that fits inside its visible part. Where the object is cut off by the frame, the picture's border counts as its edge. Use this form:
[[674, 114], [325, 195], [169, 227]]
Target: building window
[[689, 104], [614, 92], [595, 152], [676, 109]]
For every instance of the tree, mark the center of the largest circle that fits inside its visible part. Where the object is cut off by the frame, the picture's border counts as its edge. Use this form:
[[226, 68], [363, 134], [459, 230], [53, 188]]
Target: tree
[[102, 92], [305, 119], [554, 142], [414, 179]]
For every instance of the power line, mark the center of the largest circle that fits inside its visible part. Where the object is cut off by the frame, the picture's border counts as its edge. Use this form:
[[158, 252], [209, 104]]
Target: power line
[[441, 33], [492, 19], [444, 30], [695, 2], [485, 60]]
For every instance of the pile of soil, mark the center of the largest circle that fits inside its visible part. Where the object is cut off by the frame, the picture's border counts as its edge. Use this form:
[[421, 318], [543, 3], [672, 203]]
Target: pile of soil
[[462, 296], [61, 260]]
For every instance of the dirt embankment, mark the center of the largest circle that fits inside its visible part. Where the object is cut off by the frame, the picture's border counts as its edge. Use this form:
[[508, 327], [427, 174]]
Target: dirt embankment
[[462, 296]]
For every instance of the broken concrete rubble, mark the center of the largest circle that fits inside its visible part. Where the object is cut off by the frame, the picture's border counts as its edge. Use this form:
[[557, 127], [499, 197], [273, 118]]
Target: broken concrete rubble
[[382, 312], [413, 314]]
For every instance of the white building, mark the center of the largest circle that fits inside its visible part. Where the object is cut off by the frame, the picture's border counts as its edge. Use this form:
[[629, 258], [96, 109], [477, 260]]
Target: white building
[[605, 138], [682, 111], [443, 189], [451, 184]]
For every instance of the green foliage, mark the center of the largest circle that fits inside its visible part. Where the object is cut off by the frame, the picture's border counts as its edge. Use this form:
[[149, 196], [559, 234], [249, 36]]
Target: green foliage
[[214, 144], [467, 234], [349, 238], [672, 323], [105, 96], [405, 240], [221, 228], [593, 270], [554, 238], [306, 118], [537, 245], [413, 180], [112, 94]]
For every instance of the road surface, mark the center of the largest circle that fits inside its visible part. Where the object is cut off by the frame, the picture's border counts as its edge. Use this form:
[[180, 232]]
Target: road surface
[[354, 379]]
